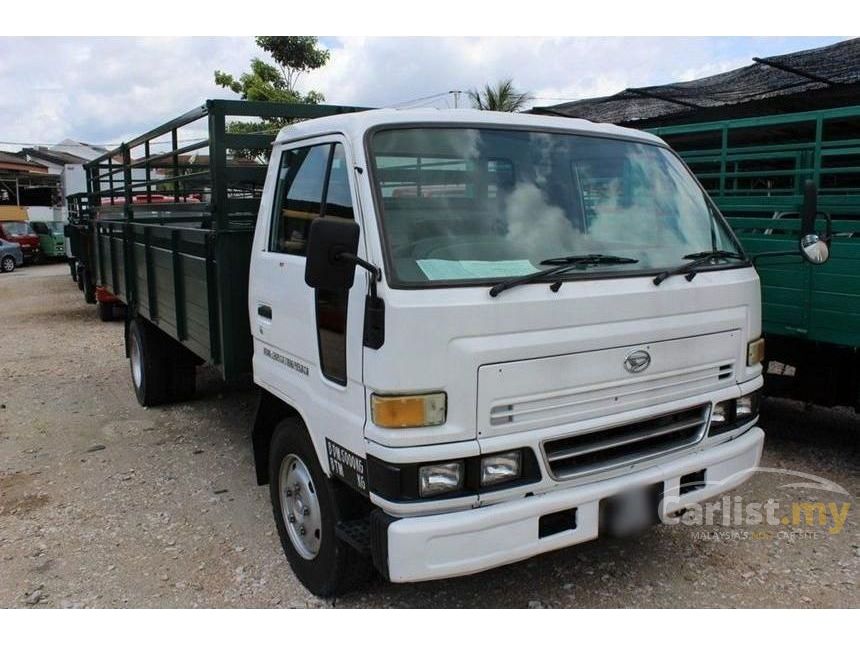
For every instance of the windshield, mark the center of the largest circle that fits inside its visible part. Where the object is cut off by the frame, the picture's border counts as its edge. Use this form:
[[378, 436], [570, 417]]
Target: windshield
[[481, 204], [17, 228]]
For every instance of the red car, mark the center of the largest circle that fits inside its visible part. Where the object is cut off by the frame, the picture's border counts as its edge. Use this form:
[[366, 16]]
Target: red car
[[23, 234]]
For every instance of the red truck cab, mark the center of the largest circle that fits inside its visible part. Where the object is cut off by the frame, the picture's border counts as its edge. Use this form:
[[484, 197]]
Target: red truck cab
[[22, 233]]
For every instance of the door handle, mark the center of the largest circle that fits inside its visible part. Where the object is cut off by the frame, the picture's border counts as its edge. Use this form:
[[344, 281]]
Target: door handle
[[264, 311]]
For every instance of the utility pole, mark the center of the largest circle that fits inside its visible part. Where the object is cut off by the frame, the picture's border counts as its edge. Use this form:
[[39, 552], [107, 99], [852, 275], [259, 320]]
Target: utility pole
[[456, 94]]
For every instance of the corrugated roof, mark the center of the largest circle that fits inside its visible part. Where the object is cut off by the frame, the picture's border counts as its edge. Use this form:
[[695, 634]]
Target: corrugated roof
[[809, 79], [55, 156], [11, 158]]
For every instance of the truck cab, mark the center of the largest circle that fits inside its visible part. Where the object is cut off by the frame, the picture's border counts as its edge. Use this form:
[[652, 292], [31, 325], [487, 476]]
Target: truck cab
[[483, 336], [52, 241]]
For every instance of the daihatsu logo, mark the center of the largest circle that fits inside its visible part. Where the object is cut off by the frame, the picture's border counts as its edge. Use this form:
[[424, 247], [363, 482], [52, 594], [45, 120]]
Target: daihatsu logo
[[637, 361]]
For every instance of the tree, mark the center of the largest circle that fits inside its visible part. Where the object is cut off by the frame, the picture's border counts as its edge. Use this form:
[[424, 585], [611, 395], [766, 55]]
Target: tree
[[293, 56], [501, 98]]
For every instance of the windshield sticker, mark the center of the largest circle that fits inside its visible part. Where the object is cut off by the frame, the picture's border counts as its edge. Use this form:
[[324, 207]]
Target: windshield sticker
[[465, 269]]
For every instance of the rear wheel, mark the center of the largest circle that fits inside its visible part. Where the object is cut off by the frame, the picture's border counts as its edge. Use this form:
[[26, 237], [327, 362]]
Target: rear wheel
[[150, 373], [183, 375], [7, 264], [305, 505], [106, 311], [88, 287]]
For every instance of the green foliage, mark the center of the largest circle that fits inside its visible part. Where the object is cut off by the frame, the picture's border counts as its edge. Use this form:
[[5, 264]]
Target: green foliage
[[501, 98], [293, 56]]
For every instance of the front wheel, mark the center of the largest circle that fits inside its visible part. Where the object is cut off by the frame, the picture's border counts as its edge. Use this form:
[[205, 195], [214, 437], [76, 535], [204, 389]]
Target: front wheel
[[7, 264], [306, 512]]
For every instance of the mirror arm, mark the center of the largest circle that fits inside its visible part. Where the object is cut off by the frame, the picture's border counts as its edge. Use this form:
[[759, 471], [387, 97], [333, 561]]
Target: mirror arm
[[773, 254], [374, 306], [372, 269]]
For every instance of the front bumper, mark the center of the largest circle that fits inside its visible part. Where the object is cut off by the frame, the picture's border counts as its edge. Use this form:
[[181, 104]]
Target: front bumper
[[465, 542]]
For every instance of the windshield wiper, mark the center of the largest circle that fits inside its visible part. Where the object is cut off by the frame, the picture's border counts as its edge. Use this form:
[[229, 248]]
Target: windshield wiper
[[559, 266], [698, 259]]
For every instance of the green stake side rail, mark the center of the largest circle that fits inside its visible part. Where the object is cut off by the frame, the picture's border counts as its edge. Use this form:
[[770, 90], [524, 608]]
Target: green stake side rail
[[755, 169], [168, 220]]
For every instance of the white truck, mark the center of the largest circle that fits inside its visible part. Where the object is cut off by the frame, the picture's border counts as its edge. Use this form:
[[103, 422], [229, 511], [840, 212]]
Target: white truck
[[477, 337]]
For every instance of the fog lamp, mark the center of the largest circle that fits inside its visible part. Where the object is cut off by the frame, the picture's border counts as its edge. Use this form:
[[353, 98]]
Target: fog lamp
[[499, 468], [438, 479]]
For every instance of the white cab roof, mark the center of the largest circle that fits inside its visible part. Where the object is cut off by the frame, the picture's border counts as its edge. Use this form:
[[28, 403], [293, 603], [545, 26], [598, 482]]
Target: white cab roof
[[355, 124]]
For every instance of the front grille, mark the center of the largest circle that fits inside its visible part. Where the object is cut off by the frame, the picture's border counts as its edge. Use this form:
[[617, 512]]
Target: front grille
[[612, 447], [568, 406]]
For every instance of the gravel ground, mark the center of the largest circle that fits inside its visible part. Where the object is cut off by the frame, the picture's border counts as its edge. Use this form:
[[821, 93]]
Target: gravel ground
[[106, 504]]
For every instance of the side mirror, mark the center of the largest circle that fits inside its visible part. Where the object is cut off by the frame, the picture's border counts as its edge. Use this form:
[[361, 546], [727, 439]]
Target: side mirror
[[331, 252], [814, 249]]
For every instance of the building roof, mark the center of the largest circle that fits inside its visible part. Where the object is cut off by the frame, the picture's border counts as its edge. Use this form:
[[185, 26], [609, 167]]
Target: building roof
[[53, 156], [804, 80], [356, 124], [11, 161]]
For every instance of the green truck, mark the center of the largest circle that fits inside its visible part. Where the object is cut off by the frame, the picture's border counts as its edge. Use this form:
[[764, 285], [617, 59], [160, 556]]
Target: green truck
[[166, 226], [755, 169], [756, 137], [52, 242]]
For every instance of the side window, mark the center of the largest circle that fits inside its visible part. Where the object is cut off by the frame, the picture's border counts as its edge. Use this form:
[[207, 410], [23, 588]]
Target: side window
[[331, 305], [338, 199], [299, 199]]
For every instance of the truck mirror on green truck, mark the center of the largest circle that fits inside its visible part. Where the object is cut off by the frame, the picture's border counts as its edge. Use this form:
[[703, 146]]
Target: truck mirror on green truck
[[811, 247], [451, 408], [814, 249]]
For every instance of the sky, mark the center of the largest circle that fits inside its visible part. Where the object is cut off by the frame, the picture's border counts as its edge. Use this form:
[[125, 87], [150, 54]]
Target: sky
[[106, 90]]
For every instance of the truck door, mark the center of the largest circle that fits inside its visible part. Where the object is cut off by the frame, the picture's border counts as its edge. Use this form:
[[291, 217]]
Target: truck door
[[308, 342]]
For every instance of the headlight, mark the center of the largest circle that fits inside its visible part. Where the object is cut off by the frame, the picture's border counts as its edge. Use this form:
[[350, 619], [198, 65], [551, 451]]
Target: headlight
[[720, 413], [411, 411], [746, 406], [438, 479], [755, 352], [499, 468], [732, 413]]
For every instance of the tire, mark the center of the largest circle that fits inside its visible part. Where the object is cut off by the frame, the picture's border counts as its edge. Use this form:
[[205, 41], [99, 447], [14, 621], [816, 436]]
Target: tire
[[324, 565], [106, 311], [73, 271], [150, 366], [7, 264], [79, 277], [183, 377], [88, 288]]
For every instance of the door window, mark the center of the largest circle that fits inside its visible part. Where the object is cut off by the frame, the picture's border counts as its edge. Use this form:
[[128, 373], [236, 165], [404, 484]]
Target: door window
[[331, 304], [299, 197]]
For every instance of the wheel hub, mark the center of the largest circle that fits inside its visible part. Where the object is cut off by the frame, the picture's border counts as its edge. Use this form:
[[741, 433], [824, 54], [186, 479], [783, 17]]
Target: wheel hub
[[136, 364], [300, 506]]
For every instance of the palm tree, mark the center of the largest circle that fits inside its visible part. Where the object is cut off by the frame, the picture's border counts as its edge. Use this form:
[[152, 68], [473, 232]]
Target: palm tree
[[501, 98]]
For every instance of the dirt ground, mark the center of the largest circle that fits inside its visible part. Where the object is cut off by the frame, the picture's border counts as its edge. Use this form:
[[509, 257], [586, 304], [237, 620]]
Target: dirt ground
[[106, 504]]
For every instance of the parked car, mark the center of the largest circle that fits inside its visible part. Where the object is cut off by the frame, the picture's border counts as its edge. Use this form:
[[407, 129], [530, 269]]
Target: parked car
[[52, 242], [22, 233], [11, 256]]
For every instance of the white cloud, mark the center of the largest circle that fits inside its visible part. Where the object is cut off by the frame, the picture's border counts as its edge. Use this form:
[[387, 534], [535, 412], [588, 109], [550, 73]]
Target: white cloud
[[108, 89]]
